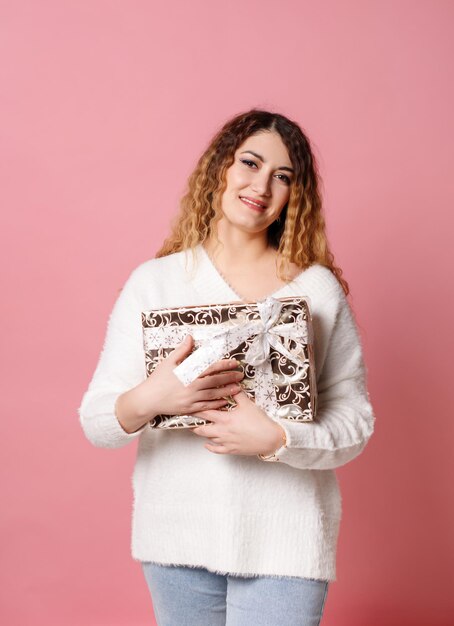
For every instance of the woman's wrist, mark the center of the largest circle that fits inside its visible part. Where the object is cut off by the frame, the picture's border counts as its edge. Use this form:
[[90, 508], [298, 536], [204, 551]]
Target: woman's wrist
[[281, 441]]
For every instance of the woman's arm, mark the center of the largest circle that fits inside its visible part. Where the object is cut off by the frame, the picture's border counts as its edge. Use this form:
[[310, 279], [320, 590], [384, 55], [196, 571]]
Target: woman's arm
[[345, 419], [120, 367]]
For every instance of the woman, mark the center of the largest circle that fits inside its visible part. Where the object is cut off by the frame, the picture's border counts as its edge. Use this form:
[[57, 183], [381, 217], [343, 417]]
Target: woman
[[236, 521]]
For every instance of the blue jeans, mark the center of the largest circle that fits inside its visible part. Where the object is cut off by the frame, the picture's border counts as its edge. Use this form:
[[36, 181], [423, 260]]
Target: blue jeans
[[188, 596]]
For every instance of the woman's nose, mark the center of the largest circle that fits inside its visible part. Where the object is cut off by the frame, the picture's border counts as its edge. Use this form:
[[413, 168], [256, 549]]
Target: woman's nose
[[262, 185]]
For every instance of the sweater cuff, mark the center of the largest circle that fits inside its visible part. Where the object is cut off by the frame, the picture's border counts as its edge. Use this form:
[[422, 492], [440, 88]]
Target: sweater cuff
[[115, 431], [101, 425]]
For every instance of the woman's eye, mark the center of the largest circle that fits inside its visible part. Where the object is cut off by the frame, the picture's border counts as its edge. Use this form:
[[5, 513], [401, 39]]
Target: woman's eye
[[247, 162], [285, 178]]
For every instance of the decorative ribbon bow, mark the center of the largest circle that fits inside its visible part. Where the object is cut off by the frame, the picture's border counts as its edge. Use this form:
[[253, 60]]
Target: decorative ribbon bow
[[222, 338]]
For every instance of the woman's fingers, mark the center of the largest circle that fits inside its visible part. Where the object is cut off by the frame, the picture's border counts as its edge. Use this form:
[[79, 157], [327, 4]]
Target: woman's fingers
[[217, 393], [208, 391], [220, 366], [208, 405], [183, 350], [218, 380]]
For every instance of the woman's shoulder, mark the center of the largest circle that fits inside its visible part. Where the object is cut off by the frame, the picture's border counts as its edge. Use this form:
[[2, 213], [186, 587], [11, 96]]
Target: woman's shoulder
[[152, 271], [157, 265], [319, 277]]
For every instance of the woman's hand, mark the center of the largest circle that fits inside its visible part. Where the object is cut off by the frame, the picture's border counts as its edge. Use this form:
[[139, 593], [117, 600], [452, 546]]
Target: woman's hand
[[162, 393], [246, 429]]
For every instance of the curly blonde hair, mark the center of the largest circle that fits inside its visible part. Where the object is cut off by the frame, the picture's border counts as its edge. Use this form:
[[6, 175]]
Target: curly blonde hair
[[299, 236]]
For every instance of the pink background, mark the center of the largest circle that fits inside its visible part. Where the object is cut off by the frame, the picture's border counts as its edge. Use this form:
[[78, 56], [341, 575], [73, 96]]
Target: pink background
[[105, 108]]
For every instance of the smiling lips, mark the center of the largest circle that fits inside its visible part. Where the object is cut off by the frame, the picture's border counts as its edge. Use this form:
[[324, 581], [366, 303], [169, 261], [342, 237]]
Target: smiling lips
[[256, 205]]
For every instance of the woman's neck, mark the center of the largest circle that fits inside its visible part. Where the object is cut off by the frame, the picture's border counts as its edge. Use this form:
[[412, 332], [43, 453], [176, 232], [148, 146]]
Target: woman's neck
[[239, 251]]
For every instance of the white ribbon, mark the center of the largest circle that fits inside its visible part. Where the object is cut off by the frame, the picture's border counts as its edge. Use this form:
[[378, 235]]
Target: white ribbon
[[222, 338]]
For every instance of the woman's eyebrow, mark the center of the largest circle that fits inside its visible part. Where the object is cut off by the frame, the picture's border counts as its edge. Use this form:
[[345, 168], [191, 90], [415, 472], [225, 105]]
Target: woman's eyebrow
[[284, 167]]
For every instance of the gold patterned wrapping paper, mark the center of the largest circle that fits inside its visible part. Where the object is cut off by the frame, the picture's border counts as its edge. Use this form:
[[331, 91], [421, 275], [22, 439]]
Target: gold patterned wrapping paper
[[272, 339]]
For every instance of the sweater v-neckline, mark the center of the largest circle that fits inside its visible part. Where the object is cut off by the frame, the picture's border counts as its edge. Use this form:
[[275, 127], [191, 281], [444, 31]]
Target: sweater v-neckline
[[220, 278]]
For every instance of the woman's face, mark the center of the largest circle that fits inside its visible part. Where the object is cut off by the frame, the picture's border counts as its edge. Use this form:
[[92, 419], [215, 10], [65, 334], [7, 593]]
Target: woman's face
[[261, 172]]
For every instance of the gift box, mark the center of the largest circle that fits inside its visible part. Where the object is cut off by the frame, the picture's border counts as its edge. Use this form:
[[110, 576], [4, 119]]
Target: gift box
[[272, 339]]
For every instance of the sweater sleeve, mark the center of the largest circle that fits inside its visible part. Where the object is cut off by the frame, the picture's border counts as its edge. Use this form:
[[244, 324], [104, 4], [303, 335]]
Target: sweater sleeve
[[345, 419], [121, 366]]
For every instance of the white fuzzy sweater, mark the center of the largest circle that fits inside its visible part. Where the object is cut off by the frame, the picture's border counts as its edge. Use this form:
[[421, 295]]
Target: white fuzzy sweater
[[232, 513]]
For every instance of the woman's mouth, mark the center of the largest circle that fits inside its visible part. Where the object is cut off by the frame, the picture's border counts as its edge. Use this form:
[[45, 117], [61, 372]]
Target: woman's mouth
[[253, 205]]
